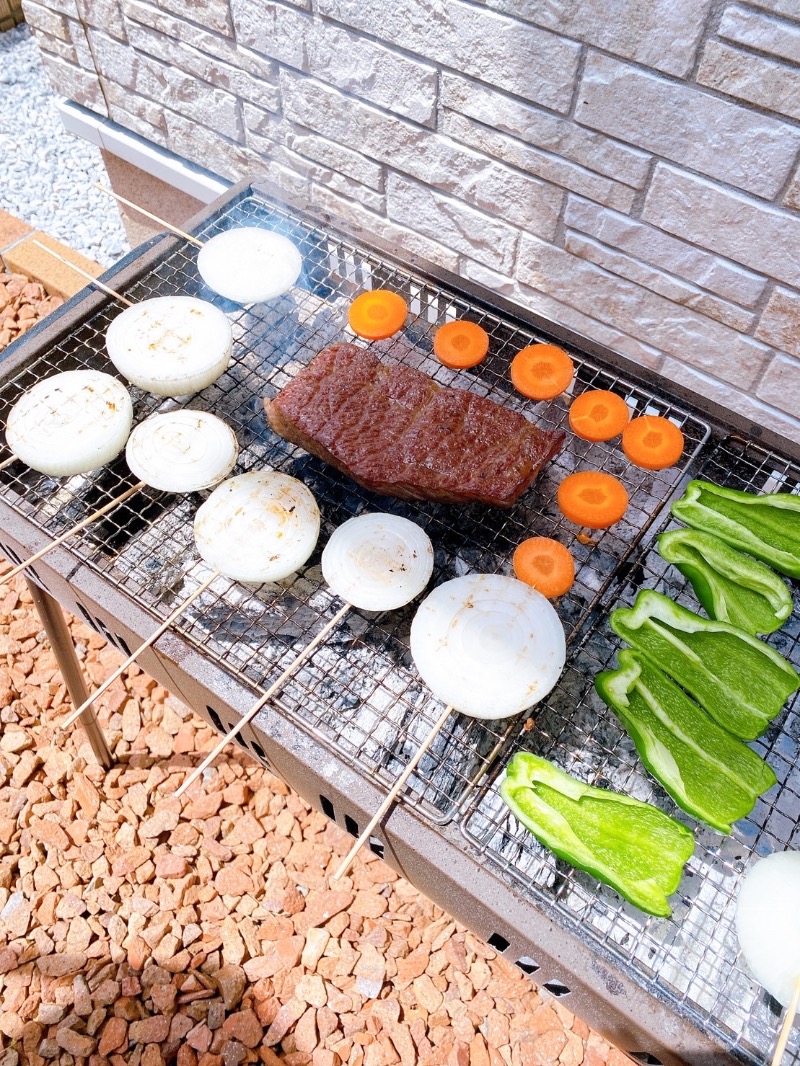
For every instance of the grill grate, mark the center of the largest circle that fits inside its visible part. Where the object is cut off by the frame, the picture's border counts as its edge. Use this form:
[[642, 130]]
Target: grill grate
[[359, 695], [692, 960]]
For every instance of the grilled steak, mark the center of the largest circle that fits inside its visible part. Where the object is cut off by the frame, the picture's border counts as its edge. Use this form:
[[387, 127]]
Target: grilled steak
[[395, 431]]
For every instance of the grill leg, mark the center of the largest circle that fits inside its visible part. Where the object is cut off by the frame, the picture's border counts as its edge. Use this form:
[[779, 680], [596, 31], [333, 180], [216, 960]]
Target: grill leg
[[55, 626]]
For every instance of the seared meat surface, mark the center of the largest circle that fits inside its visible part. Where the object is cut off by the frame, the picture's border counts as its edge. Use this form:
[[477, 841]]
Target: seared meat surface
[[395, 431]]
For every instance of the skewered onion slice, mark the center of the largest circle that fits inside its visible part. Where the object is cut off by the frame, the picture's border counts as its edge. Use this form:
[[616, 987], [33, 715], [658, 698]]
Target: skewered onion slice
[[182, 451], [249, 265], [378, 562], [70, 423], [259, 526], [170, 345], [490, 646], [768, 923]]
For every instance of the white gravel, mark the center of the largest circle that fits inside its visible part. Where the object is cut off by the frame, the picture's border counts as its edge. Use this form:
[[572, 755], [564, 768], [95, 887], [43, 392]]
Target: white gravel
[[47, 173]]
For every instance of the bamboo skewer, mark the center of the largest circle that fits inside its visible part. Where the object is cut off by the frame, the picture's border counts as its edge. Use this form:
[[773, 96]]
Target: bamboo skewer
[[143, 647], [85, 273], [8, 462], [148, 214], [390, 798], [786, 1028], [271, 691], [71, 532]]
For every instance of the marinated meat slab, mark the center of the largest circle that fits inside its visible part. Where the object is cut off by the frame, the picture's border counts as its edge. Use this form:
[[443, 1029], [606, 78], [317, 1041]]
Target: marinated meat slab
[[395, 431]]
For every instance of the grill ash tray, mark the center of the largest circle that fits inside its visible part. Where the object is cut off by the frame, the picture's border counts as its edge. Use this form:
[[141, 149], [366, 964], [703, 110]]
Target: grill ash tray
[[359, 695], [692, 960]]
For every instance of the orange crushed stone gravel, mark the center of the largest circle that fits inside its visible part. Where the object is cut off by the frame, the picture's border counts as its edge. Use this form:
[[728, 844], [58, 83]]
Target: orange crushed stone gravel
[[22, 304], [139, 930]]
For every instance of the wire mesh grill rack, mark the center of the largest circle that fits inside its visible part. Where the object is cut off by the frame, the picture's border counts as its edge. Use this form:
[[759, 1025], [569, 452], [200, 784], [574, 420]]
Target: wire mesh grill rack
[[691, 961], [359, 694]]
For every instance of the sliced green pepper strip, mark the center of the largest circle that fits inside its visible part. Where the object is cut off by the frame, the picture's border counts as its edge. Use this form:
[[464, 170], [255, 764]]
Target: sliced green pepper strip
[[731, 586], [707, 771], [741, 682], [628, 844], [765, 526]]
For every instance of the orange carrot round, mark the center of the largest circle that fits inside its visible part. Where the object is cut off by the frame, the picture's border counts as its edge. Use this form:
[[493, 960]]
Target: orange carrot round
[[460, 345], [545, 564], [377, 314], [652, 442], [593, 499], [598, 415], [541, 371]]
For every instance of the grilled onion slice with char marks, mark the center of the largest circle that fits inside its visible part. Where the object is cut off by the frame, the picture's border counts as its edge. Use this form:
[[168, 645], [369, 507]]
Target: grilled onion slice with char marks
[[256, 527], [70, 423], [170, 345]]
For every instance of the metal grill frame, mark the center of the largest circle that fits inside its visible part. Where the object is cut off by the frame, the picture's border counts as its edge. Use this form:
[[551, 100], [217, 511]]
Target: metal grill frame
[[359, 694], [693, 962], [433, 853]]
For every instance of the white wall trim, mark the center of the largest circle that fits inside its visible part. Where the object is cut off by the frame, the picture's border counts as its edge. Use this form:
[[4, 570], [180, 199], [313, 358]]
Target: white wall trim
[[189, 178]]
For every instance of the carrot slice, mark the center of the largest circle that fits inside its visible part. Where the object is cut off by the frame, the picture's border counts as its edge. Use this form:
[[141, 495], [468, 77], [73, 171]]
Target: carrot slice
[[652, 442], [377, 314], [545, 564], [460, 345], [593, 499], [541, 371], [598, 415]]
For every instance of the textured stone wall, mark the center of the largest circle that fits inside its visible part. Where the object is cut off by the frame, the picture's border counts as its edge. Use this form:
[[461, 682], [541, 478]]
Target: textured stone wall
[[627, 169]]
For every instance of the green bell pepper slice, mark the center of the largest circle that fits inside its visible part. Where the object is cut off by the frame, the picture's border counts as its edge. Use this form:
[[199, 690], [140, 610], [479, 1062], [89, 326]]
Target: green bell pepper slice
[[707, 771], [633, 847], [731, 586], [765, 526], [741, 682]]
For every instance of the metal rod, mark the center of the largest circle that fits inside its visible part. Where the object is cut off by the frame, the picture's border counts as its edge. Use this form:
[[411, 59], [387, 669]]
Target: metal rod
[[84, 273], [786, 1028], [384, 807], [88, 701], [148, 214], [71, 532], [274, 687], [55, 626]]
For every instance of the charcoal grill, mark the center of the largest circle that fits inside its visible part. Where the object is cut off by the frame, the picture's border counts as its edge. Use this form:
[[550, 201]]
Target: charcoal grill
[[344, 727]]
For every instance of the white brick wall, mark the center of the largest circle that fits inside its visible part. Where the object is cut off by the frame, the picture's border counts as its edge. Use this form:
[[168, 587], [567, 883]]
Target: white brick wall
[[631, 171], [673, 120]]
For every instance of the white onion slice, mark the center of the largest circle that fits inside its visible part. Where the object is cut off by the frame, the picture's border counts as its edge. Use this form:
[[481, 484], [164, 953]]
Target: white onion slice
[[70, 423], [768, 923], [378, 562], [249, 265], [489, 645], [182, 451], [259, 526], [170, 345]]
